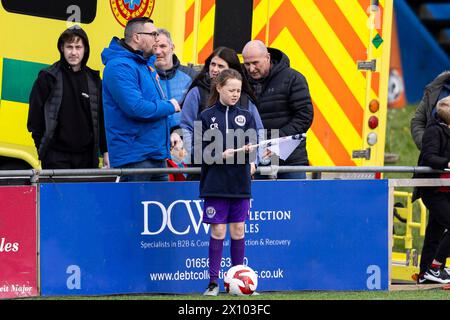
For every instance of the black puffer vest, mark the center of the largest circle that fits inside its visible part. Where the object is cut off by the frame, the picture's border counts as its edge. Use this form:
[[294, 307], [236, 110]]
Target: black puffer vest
[[53, 104]]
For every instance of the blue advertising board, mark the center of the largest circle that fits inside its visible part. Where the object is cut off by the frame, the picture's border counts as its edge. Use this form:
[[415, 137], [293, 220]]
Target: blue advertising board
[[112, 238]]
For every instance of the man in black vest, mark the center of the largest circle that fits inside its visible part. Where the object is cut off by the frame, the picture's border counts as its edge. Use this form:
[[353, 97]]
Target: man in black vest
[[66, 114], [283, 98]]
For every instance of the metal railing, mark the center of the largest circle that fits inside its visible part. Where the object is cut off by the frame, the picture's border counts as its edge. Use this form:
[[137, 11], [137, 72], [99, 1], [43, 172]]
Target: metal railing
[[34, 175]]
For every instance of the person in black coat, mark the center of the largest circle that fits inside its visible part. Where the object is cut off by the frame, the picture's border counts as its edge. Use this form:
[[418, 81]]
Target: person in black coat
[[282, 98], [65, 117], [435, 153]]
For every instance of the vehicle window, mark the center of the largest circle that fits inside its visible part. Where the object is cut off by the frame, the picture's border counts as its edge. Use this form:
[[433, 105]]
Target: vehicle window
[[86, 9], [236, 13]]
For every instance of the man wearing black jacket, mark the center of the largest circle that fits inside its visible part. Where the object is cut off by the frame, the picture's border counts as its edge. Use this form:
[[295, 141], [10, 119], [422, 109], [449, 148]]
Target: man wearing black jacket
[[283, 98], [425, 113], [66, 114], [435, 153]]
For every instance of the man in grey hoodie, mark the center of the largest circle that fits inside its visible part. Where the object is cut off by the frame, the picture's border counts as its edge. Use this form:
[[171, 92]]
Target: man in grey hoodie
[[438, 89]]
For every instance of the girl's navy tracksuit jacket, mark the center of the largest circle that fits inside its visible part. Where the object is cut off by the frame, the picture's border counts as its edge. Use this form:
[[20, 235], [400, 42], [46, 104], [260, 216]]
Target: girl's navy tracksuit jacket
[[227, 180]]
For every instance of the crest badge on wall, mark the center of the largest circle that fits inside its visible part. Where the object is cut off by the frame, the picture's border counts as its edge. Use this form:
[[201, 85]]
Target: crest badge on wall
[[125, 10]]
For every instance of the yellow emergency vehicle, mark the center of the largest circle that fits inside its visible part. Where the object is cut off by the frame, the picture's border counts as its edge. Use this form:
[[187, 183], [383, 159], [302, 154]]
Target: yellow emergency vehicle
[[341, 46]]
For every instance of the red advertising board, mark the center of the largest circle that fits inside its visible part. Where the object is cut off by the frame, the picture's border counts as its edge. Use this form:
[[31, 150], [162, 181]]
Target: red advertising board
[[18, 255]]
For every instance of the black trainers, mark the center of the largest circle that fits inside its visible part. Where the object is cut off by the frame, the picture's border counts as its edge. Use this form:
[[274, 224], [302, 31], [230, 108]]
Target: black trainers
[[420, 279], [212, 290], [437, 275], [447, 270]]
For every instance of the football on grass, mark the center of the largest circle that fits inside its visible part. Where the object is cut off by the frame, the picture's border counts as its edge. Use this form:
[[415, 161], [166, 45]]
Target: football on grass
[[240, 280]]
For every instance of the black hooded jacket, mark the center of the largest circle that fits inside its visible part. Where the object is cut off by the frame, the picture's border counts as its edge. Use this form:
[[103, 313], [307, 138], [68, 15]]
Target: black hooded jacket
[[435, 152], [284, 103], [65, 111]]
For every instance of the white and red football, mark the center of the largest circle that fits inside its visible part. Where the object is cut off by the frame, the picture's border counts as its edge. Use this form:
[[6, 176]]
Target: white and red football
[[240, 280]]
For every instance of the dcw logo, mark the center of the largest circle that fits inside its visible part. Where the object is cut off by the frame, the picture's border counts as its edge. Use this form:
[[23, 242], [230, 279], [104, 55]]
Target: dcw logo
[[188, 214]]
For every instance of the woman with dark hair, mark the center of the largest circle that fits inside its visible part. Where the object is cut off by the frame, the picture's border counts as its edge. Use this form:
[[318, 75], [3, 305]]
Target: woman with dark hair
[[197, 97]]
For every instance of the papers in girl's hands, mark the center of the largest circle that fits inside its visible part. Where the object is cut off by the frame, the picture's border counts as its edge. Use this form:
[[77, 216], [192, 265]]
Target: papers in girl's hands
[[284, 146]]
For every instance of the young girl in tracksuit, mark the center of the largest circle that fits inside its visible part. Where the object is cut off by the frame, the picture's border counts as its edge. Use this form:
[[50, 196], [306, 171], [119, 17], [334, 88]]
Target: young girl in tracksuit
[[225, 181]]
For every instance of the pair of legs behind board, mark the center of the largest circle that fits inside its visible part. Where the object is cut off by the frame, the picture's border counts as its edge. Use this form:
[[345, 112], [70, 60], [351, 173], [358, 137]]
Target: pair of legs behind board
[[436, 245], [237, 249]]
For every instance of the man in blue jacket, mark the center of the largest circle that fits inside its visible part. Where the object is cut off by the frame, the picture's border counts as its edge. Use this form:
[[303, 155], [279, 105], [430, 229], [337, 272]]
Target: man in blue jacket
[[137, 113]]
